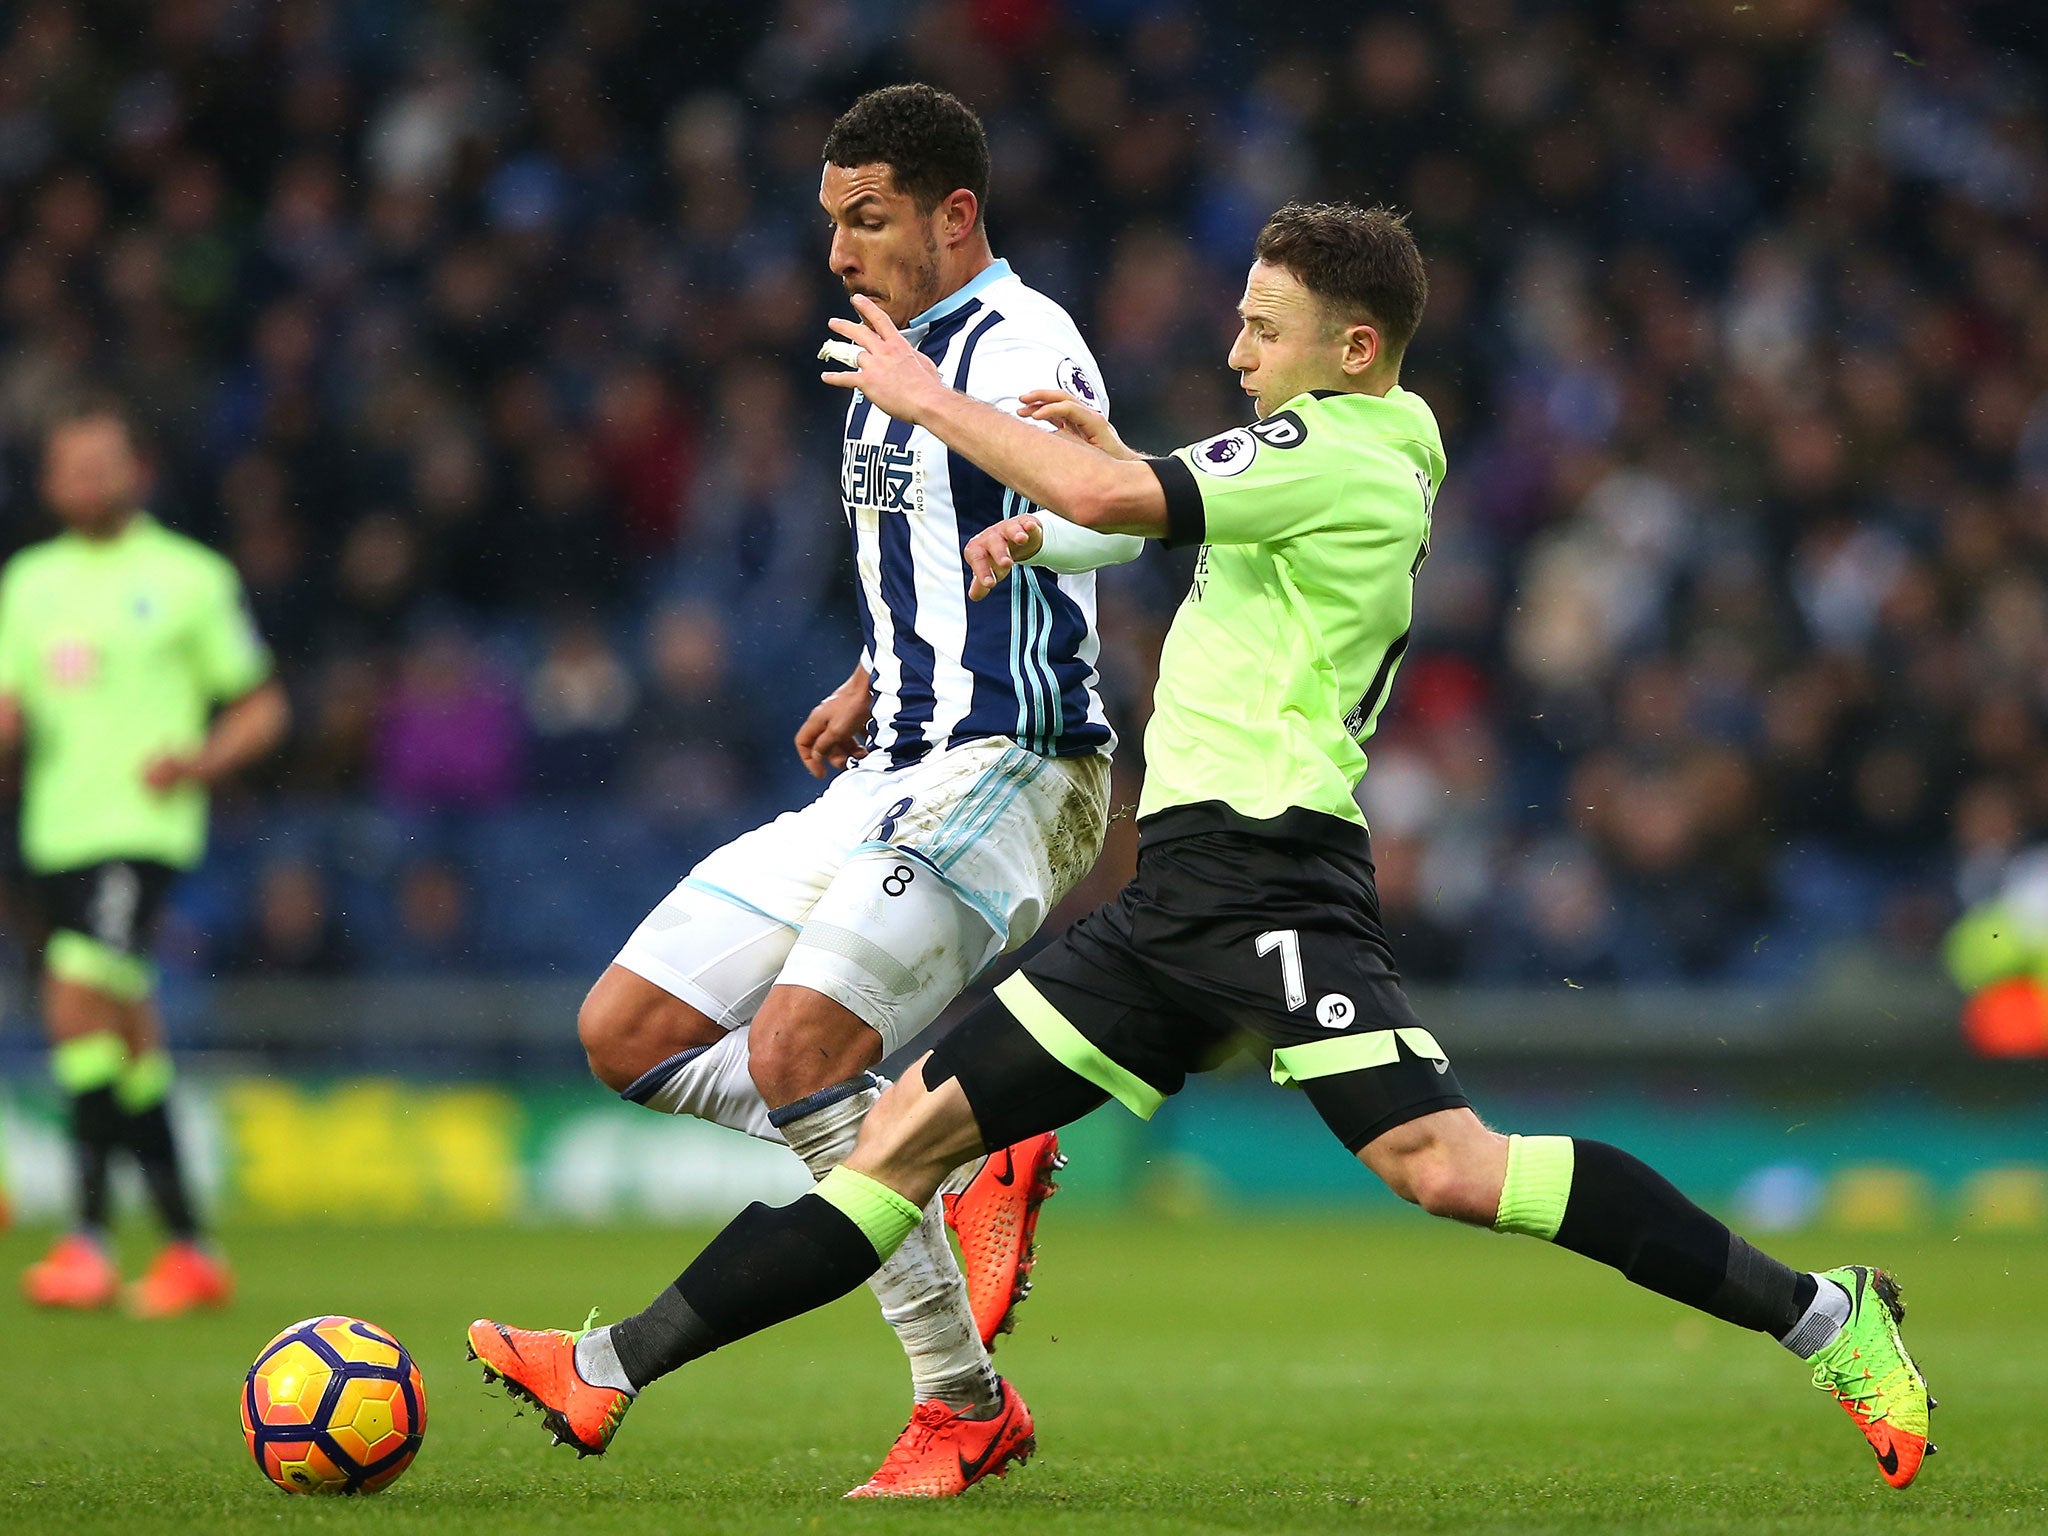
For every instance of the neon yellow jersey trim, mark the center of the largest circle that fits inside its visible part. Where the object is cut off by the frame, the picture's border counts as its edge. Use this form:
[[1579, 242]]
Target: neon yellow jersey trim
[[1073, 1050]]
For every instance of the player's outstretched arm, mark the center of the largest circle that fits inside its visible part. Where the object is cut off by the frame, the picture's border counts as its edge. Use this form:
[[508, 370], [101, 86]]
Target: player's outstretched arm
[[1048, 540], [1084, 484], [1067, 415]]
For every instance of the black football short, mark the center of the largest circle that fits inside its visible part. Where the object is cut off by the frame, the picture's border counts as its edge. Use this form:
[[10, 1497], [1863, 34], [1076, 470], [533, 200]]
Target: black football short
[[1234, 933], [117, 902]]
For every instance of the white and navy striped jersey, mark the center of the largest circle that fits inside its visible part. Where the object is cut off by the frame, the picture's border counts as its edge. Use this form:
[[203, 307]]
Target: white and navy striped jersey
[[1020, 663]]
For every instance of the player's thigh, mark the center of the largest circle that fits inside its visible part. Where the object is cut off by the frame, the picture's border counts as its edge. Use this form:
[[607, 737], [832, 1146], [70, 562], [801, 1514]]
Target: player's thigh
[[717, 941], [101, 921], [1293, 957], [1080, 1024], [971, 848], [891, 943], [142, 1027], [1013, 831]]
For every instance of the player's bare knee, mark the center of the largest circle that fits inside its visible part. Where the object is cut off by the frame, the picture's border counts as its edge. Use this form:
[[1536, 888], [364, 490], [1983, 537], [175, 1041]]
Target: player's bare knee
[[793, 1062], [1441, 1187], [1447, 1163], [614, 1037], [803, 1042], [627, 1027]]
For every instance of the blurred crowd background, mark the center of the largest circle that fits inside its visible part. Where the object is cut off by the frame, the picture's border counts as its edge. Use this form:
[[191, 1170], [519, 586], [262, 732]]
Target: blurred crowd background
[[479, 334]]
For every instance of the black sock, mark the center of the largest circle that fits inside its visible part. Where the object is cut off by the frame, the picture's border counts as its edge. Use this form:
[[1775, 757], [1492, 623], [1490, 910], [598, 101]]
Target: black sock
[[95, 1132], [149, 1136], [770, 1264], [1624, 1213]]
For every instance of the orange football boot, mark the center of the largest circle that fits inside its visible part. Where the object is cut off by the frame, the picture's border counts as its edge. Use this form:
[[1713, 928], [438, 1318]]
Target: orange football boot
[[538, 1366], [184, 1278], [996, 1217], [76, 1273], [941, 1455]]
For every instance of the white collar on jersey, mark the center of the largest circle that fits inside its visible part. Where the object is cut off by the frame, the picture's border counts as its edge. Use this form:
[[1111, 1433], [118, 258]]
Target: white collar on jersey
[[960, 298]]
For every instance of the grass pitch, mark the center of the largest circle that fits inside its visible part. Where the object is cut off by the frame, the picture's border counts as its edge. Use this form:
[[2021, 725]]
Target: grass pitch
[[1320, 1374]]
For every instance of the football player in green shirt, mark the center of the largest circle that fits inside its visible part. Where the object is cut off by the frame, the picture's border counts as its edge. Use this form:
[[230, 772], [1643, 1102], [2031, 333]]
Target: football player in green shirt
[[1253, 914], [131, 680]]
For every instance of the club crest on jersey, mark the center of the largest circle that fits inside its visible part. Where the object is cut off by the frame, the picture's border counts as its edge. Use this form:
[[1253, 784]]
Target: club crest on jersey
[[1073, 378], [1230, 453], [882, 477], [72, 663]]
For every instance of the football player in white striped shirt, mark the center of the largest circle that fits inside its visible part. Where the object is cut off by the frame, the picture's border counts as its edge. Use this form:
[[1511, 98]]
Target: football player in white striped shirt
[[973, 795]]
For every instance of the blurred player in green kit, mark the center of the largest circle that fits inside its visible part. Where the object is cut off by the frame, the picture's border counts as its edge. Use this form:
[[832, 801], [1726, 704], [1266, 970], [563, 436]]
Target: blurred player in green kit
[[131, 680]]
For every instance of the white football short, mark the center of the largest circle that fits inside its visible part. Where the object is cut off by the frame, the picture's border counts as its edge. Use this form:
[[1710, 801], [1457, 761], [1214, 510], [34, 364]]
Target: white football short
[[888, 893]]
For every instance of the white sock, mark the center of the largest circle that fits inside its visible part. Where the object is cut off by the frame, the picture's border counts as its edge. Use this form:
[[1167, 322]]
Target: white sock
[[958, 1180], [1821, 1322], [597, 1362], [712, 1084], [923, 1295]]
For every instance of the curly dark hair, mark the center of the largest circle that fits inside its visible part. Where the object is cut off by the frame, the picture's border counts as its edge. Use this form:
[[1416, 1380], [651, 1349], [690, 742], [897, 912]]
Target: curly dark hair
[[931, 141], [1363, 261]]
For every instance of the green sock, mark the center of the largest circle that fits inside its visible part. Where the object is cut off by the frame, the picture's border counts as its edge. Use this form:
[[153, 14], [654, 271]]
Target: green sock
[[146, 1081], [884, 1217], [1538, 1186]]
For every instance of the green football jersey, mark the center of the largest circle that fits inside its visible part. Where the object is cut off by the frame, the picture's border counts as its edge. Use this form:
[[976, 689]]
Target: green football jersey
[[117, 652], [1313, 523]]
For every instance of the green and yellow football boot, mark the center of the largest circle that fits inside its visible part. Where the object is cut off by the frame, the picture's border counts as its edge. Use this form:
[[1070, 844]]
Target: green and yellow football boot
[[1870, 1374]]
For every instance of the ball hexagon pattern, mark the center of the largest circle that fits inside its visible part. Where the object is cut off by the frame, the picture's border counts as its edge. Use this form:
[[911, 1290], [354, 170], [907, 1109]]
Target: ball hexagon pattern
[[333, 1405]]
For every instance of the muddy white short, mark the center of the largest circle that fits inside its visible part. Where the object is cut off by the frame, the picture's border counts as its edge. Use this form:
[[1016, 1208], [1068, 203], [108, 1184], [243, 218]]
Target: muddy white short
[[888, 893]]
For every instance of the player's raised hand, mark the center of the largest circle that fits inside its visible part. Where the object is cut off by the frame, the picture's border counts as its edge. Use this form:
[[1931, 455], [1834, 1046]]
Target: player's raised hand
[[892, 373], [991, 552], [833, 734], [1075, 420]]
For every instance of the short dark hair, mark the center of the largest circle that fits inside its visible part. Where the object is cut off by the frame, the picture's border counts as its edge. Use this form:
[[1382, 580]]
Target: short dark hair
[[931, 141], [1361, 260], [92, 405]]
